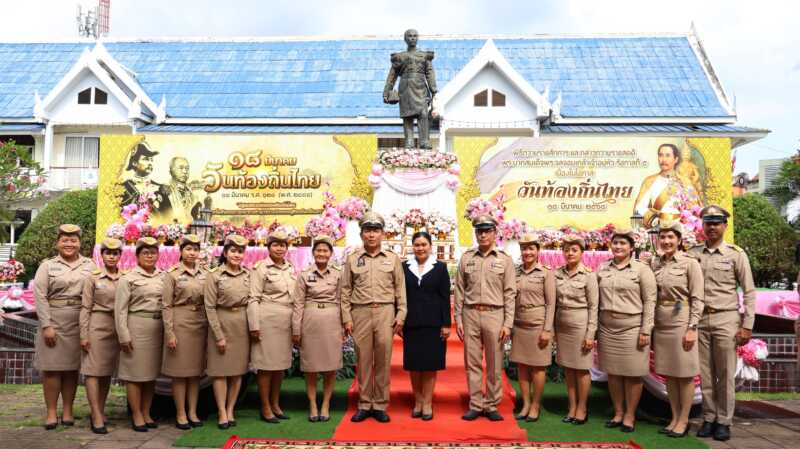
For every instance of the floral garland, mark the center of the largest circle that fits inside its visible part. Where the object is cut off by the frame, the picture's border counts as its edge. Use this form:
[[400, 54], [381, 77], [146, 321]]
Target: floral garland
[[11, 270], [416, 160], [352, 208], [414, 218], [440, 224]]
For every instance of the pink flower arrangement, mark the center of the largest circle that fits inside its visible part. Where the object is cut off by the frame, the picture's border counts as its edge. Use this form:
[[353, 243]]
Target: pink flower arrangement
[[11, 270], [753, 353], [160, 231], [328, 199], [479, 206], [132, 232], [136, 214], [324, 225], [116, 231], [414, 218], [416, 159], [394, 223], [291, 231], [512, 229], [439, 224], [452, 182], [175, 231], [352, 208]]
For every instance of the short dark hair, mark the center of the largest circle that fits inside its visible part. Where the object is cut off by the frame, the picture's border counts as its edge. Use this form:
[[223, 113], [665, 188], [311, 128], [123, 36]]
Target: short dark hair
[[422, 234], [675, 151]]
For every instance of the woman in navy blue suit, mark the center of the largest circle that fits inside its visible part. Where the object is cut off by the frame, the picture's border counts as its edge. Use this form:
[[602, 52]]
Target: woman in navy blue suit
[[427, 325]]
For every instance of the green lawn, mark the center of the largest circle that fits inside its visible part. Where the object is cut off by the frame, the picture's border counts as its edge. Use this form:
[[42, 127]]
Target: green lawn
[[742, 396]]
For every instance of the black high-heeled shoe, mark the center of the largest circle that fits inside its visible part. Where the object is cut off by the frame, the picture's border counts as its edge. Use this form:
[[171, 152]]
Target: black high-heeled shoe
[[67, 423], [580, 422], [151, 425], [50, 425], [281, 416], [196, 423], [664, 430], [627, 429], [568, 419], [324, 418], [531, 418], [611, 424], [232, 422], [136, 428], [273, 420], [102, 430], [685, 432], [184, 426], [223, 425], [416, 414]]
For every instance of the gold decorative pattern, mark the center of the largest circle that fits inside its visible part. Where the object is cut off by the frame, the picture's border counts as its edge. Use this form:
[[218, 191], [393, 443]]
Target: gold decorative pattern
[[469, 151], [719, 176], [362, 148], [114, 151]]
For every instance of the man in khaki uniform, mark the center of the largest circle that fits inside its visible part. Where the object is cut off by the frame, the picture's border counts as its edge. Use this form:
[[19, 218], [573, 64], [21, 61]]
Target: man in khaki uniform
[[722, 327], [484, 312], [373, 295]]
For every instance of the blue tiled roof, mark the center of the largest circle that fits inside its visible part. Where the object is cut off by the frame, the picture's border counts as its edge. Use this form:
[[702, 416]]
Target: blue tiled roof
[[597, 77], [650, 128], [20, 127], [274, 129]]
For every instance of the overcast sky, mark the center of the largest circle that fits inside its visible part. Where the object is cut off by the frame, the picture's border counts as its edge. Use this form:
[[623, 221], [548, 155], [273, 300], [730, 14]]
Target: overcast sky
[[753, 46]]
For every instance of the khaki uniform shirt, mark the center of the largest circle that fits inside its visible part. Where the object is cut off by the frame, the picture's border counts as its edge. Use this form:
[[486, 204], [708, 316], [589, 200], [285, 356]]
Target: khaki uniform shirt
[[182, 287], [486, 280], [269, 282], [315, 286], [727, 267], [537, 288], [578, 291], [629, 289], [99, 292], [137, 291], [224, 289], [373, 279], [57, 279], [680, 280]]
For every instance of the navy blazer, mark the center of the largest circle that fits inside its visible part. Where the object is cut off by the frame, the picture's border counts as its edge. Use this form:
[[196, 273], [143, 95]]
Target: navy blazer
[[428, 302]]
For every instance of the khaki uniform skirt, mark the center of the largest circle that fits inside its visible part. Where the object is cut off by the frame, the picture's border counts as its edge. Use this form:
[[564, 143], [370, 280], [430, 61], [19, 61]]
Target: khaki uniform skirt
[[189, 358], [321, 343], [103, 355], [66, 354], [143, 364], [528, 324], [617, 345], [670, 357], [234, 361], [274, 351], [571, 325]]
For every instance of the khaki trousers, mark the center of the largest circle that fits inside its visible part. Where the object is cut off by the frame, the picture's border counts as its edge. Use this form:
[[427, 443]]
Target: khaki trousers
[[372, 334], [482, 337], [716, 339]]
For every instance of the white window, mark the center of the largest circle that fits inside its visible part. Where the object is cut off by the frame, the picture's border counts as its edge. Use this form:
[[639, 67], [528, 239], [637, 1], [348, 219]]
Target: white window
[[82, 152], [481, 99], [92, 95]]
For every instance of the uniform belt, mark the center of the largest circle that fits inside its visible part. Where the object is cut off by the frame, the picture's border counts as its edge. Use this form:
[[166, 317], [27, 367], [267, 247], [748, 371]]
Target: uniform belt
[[668, 302], [373, 304], [560, 306], [64, 302], [483, 307], [145, 313], [193, 307], [707, 309], [324, 305], [102, 311], [530, 306]]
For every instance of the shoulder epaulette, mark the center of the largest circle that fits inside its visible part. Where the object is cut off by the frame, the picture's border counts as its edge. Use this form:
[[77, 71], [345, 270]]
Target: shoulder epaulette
[[335, 266], [97, 271], [547, 267], [212, 269], [258, 264], [588, 269], [172, 269], [736, 248]]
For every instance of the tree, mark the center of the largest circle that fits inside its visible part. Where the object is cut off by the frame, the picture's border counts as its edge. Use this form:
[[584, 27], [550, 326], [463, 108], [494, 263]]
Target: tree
[[786, 185], [766, 237], [38, 241], [21, 178]]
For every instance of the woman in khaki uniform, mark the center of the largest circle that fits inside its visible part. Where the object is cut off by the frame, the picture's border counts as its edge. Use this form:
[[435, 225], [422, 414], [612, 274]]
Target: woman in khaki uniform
[[98, 334], [269, 316], [678, 310], [317, 326], [57, 288], [137, 313], [576, 323], [627, 303], [226, 292], [531, 336], [185, 332]]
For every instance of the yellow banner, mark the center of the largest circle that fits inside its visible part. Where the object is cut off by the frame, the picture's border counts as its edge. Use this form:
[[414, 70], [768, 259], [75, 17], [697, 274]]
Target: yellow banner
[[255, 177], [588, 182]]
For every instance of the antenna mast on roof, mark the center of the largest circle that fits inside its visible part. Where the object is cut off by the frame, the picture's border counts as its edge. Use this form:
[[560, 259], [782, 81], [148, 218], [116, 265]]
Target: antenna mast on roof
[[94, 22]]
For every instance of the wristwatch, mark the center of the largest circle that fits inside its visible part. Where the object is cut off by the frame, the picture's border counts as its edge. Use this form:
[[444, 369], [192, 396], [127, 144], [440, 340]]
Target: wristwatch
[[693, 327]]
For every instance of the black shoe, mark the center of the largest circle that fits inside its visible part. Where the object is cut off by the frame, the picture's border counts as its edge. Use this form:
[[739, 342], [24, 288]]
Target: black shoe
[[196, 423], [151, 425], [138, 428], [722, 433], [272, 420], [471, 415], [67, 423], [707, 430], [224, 425], [427, 417], [494, 415], [685, 432], [610, 424], [232, 422], [627, 429], [666, 431], [314, 418], [99, 430], [568, 419], [521, 417], [51, 425], [361, 415], [580, 422], [531, 419], [415, 414], [185, 426], [281, 416], [380, 416], [323, 418]]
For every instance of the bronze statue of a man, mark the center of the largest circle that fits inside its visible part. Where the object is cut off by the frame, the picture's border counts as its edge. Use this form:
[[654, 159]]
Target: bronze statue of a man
[[416, 90]]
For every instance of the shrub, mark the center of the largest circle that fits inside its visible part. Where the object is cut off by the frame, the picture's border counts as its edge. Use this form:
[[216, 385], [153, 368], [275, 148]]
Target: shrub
[[38, 241], [766, 237]]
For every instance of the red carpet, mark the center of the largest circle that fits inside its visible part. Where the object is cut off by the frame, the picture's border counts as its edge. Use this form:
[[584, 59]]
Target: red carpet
[[450, 401]]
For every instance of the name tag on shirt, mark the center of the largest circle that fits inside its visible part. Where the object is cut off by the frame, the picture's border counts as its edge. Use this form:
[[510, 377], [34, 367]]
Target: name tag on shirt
[[312, 277], [361, 262]]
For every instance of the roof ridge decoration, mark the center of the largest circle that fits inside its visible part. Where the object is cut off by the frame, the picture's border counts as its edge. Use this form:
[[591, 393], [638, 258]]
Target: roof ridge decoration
[[103, 66], [490, 56], [705, 63]]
